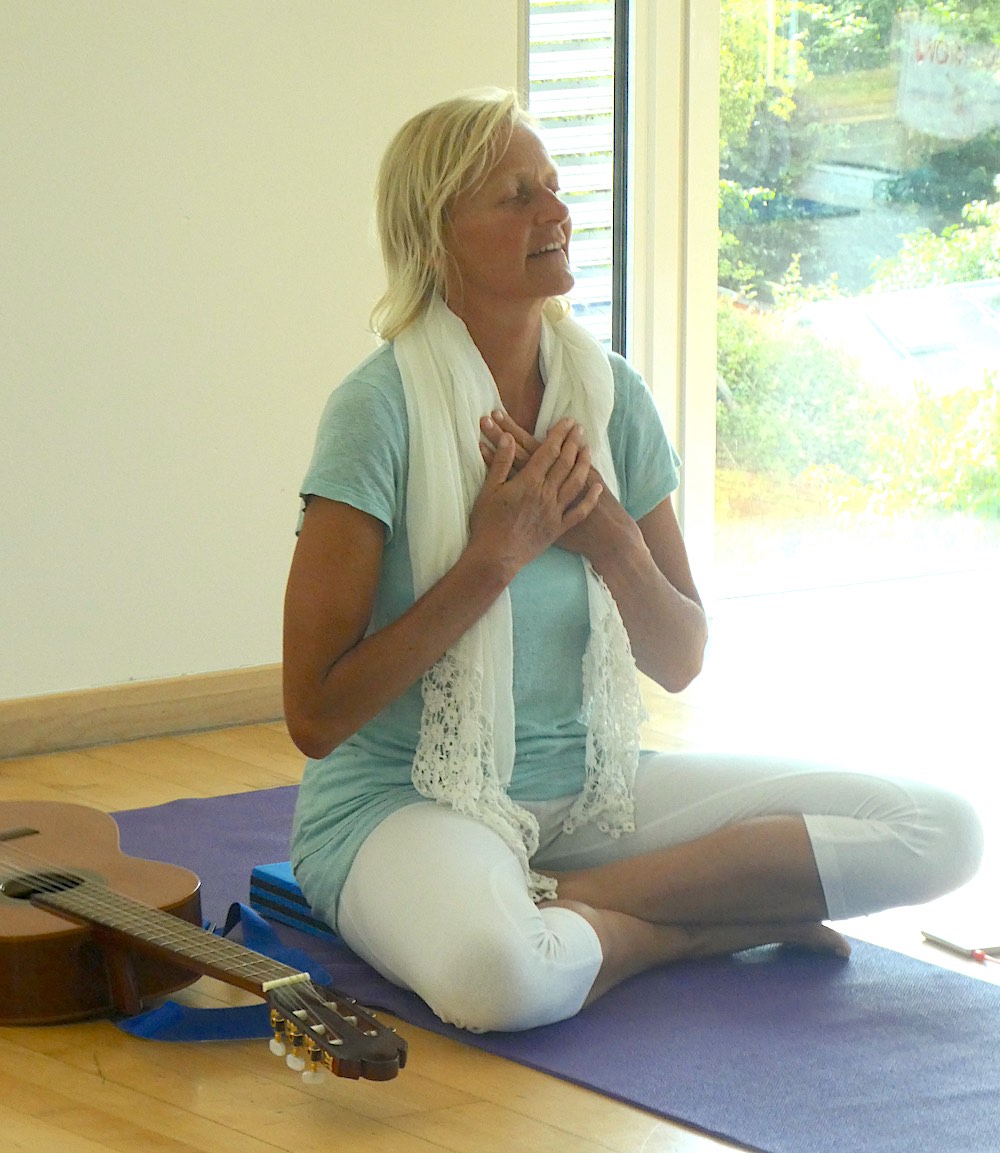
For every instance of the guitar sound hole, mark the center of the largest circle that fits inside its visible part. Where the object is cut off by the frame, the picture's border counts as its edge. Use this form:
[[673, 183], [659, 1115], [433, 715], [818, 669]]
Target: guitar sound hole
[[30, 885]]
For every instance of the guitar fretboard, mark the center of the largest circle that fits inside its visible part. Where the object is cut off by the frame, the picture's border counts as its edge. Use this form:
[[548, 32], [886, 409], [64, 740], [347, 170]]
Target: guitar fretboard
[[93, 904]]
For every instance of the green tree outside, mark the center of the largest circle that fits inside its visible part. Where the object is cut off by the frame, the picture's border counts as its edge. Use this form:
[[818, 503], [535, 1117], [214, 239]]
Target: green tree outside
[[794, 416]]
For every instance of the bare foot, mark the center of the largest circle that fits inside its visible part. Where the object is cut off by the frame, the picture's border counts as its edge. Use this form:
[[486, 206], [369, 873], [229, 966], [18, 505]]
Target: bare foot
[[819, 938], [630, 945], [713, 940]]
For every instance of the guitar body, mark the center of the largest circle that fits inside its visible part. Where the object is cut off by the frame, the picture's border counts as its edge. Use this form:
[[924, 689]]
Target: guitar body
[[86, 930], [52, 970]]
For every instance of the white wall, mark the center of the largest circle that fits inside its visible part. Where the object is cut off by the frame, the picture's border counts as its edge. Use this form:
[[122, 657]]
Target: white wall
[[186, 269]]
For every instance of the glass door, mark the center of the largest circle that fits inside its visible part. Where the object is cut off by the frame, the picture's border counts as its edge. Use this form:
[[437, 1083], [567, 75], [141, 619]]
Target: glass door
[[858, 424]]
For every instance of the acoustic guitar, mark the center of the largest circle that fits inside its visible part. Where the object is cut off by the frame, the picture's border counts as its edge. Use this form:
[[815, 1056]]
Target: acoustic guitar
[[86, 930]]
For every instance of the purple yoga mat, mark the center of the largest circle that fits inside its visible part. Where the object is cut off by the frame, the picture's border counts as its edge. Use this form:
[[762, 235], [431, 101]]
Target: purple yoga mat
[[778, 1051]]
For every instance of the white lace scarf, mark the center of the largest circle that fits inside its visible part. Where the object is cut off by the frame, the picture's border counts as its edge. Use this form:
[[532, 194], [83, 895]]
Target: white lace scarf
[[465, 750]]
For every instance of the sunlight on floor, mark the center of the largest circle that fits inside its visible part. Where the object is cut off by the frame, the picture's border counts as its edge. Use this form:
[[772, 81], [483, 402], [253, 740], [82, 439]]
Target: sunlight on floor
[[897, 676]]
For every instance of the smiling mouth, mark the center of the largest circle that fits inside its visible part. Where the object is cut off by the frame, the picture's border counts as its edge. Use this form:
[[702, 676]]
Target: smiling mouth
[[548, 249]]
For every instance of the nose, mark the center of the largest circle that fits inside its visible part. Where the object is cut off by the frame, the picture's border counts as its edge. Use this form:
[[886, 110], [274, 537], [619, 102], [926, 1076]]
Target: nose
[[552, 208]]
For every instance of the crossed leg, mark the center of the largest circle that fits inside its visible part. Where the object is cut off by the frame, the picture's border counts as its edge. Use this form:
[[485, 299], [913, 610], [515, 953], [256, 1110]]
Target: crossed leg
[[630, 945], [728, 853], [737, 862], [748, 884]]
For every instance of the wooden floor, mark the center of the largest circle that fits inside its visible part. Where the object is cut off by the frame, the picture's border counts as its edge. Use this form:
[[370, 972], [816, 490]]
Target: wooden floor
[[88, 1087]]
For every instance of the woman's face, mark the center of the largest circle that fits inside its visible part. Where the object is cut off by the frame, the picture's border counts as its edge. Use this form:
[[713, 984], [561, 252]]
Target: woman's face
[[509, 239]]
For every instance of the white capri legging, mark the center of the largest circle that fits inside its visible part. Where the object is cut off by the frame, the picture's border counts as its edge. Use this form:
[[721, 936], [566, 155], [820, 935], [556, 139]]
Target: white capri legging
[[438, 904]]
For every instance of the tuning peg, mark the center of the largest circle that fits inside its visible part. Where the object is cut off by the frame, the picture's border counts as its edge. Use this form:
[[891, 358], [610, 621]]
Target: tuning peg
[[315, 1076], [294, 1061], [277, 1043]]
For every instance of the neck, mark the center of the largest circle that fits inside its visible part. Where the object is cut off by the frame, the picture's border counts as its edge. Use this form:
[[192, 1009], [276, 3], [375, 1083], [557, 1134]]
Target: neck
[[509, 344]]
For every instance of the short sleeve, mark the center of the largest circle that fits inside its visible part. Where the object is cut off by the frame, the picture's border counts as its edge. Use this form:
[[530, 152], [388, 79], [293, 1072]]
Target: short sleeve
[[360, 450], [645, 461]]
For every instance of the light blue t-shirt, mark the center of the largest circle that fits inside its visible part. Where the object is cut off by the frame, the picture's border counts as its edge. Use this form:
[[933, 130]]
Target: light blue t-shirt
[[360, 459]]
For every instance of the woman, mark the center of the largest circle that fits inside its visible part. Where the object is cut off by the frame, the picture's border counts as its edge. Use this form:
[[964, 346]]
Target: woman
[[487, 554]]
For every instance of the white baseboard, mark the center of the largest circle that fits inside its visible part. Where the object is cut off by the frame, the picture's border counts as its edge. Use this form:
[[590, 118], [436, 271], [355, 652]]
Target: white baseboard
[[128, 712]]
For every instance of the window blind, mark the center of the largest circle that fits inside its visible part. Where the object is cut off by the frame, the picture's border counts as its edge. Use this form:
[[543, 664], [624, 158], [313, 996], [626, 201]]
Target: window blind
[[571, 72]]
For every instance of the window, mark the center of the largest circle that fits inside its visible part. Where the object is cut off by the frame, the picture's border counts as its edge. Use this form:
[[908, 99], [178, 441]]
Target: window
[[859, 319], [571, 81]]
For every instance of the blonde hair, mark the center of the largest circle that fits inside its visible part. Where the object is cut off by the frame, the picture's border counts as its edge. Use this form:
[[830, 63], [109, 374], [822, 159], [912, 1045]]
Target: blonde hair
[[438, 154]]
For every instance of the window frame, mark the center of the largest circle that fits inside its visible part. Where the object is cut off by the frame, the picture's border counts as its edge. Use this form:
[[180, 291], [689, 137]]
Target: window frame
[[673, 208], [666, 225]]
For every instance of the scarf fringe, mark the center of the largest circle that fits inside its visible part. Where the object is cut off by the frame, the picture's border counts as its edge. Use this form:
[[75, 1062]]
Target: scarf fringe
[[613, 712]]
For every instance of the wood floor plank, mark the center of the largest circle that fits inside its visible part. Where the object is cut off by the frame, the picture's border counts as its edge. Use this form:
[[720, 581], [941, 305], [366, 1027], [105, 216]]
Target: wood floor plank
[[12, 789], [410, 1092], [573, 1109], [491, 1128], [266, 746], [30, 1134], [193, 770], [188, 1091], [146, 1115], [70, 774]]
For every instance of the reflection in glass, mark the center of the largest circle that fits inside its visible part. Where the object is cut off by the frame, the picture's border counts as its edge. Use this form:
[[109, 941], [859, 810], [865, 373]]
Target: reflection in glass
[[859, 272]]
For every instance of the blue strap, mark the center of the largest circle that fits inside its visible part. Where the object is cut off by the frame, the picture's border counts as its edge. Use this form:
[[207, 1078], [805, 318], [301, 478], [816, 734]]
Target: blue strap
[[173, 1022]]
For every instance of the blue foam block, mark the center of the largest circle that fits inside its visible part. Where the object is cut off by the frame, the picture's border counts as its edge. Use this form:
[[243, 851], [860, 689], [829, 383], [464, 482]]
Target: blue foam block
[[275, 894]]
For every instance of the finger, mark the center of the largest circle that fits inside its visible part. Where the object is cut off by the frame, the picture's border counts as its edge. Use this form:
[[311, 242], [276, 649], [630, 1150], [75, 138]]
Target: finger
[[492, 431], [581, 478], [569, 436], [553, 460], [506, 422], [499, 467], [573, 451], [567, 426], [579, 512]]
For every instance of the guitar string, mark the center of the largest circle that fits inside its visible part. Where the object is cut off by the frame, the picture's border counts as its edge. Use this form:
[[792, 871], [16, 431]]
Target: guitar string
[[47, 878], [44, 877]]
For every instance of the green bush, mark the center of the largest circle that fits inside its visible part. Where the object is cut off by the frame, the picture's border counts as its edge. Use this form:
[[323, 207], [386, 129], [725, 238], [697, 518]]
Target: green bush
[[845, 37], [944, 453], [966, 251], [762, 239], [739, 254], [788, 401], [952, 177], [790, 406]]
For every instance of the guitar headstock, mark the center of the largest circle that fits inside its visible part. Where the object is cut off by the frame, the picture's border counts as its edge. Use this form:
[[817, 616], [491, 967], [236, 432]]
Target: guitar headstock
[[319, 1030]]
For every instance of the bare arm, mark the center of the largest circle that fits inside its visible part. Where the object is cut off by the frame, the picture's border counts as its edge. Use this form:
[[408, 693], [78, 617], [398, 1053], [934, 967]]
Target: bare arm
[[646, 568], [650, 578], [336, 678]]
